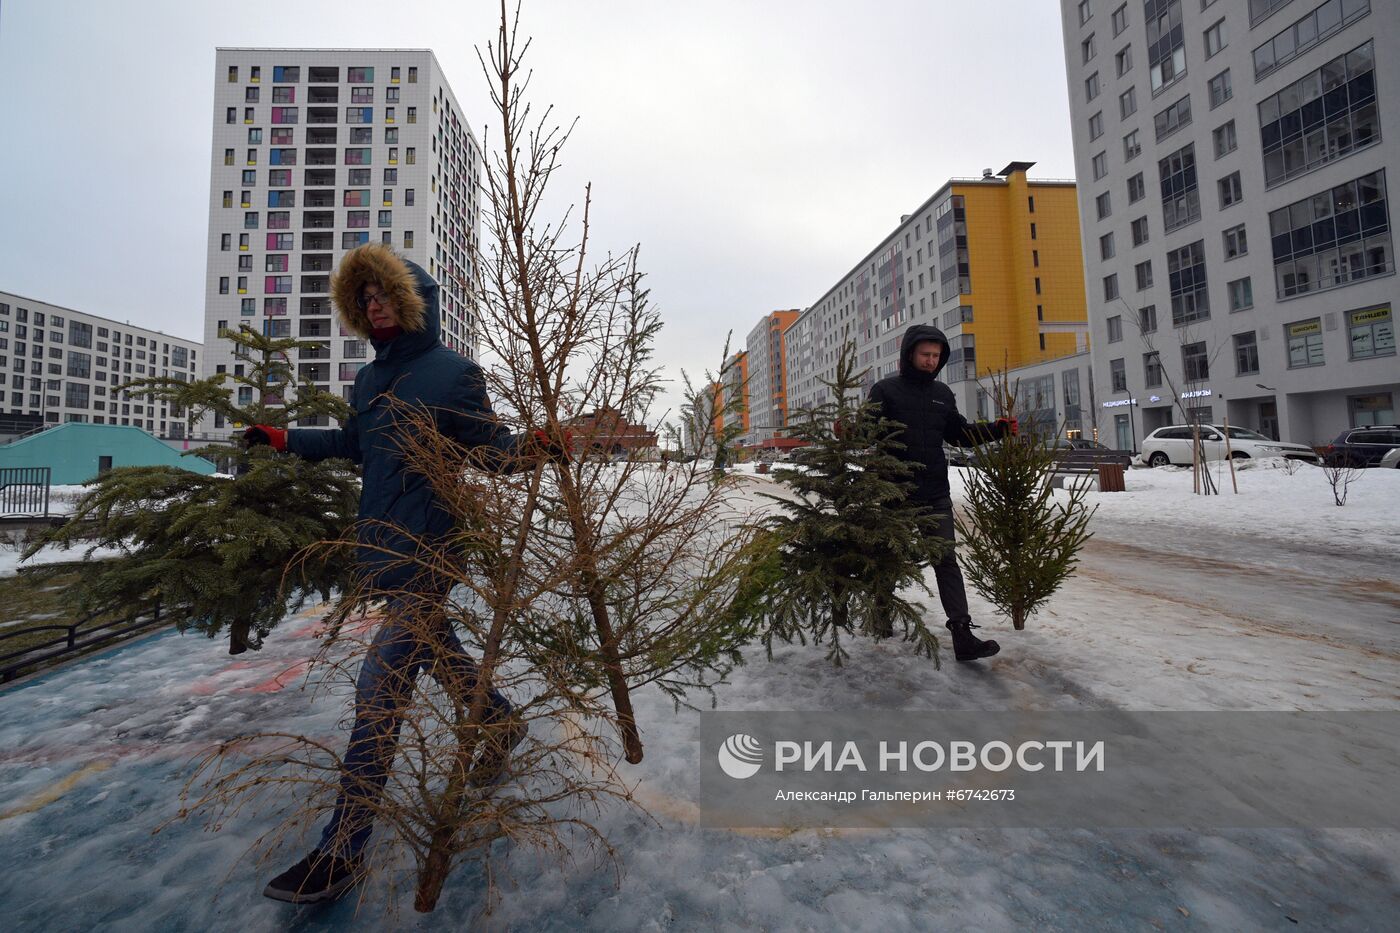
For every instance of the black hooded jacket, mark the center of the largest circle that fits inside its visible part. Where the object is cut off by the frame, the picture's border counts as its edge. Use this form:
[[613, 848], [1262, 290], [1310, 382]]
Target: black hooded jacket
[[929, 413]]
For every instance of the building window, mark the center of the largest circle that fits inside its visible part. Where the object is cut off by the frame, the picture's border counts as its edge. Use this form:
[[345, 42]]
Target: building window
[[350, 240], [359, 75], [289, 73], [1231, 191], [408, 239], [250, 95], [1088, 49], [284, 115], [1106, 246], [232, 74], [1127, 103], [254, 136], [277, 285], [1224, 138], [1186, 272], [410, 155], [1118, 374], [355, 219], [408, 197], [1151, 370], [282, 157], [275, 262], [1104, 205], [354, 350], [223, 285], [1110, 287], [1216, 38], [1137, 188], [412, 114], [1172, 118], [1140, 231], [225, 242], [1096, 126], [1166, 47], [359, 115], [1326, 115], [248, 307], [1195, 364], [274, 307], [1241, 294], [1332, 239], [355, 197], [282, 137], [228, 156], [284, 95], [1367, 410], [1372, 332], [1100, 165], [391, 135], [1143, 271], [1181, 203], [1091, 86], [1305, 343], [250, 220], [1236, 242], [1115, 328], [280, 241], [1085, 12], [1120, 19], [1316, 26], [394, 73], [362, 95], [1246, 354], [1132, 146], [412, 74], [1220, 89], [1147, 319], [386, 218]]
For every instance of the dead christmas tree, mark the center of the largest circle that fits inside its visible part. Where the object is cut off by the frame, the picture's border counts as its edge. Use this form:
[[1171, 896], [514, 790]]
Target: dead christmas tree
[[212, 549]]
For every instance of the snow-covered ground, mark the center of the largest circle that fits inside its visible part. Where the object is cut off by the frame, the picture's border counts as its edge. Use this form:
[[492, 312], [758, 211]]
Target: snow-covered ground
[[1272, 599]]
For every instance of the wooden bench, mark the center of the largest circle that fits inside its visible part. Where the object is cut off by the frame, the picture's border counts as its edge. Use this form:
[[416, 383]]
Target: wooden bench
[[1106, 466]]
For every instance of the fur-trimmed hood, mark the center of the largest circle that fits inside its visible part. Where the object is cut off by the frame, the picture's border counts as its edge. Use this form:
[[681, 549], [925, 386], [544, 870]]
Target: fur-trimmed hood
[[377, 263]]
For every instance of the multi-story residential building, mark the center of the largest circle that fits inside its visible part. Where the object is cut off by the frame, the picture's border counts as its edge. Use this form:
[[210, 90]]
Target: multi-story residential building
[[993, 261], [1235, 211], [315, 152], [732, 401], [61, 365], [767, 365]]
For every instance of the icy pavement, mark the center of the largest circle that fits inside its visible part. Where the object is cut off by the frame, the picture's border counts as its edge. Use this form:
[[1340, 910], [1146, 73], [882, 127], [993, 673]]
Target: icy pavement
[[1272, 600]]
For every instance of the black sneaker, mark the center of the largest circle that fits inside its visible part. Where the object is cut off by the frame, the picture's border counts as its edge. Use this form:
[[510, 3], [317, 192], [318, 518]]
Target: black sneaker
[[967, 646], [316, 879], [494, 757]]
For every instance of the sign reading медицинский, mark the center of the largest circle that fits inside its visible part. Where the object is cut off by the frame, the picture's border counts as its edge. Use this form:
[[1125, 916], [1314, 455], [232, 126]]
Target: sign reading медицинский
[[1094, 769]]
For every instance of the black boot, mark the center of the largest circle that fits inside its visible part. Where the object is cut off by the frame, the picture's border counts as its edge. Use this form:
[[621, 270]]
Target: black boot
[[967, 646], [316, 879]]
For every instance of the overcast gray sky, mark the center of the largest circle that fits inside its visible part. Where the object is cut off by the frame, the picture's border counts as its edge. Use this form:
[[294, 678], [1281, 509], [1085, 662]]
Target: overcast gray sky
[[756, 150]]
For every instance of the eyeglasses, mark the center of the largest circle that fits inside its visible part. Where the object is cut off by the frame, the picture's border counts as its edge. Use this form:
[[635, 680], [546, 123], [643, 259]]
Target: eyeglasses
[[363, 301]]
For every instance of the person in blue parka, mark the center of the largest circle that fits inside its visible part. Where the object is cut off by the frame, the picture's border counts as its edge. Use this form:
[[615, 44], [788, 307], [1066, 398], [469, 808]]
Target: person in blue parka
[[393, 303]]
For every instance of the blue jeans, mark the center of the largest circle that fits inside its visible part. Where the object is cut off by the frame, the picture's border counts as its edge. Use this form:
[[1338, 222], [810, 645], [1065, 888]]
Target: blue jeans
[[397, 655]]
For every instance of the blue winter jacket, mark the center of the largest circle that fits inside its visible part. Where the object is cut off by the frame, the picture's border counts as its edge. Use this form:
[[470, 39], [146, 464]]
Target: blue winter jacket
[[417, 369]]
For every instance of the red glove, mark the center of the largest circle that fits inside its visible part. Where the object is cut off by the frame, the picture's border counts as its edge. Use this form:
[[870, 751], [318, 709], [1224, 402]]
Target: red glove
[[276, 438], [1009, 426], [839, 429], [554, 450]]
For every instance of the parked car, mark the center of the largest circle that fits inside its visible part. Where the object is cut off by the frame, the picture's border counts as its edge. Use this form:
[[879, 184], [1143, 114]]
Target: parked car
[[1172, 444], [1363, 447], [1391, 459], [1077, 443]]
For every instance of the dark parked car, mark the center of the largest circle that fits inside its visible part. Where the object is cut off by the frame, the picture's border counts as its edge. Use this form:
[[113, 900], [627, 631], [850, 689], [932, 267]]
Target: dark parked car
[[1362, 447]]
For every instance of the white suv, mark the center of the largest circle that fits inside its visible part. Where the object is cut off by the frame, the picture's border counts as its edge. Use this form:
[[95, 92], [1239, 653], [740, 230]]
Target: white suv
[[1173, 445]]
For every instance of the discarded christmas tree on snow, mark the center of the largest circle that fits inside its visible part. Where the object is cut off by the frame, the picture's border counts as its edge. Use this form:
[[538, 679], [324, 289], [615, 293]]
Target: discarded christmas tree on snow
[[1021, 536], [849, 539], [211, 551]]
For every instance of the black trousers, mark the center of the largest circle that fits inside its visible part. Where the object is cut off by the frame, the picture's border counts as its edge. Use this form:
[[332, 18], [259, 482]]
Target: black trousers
[[951, 592]]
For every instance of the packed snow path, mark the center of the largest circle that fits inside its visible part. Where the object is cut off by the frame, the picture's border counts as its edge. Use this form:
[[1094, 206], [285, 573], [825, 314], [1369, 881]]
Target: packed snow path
[[1175, 607]]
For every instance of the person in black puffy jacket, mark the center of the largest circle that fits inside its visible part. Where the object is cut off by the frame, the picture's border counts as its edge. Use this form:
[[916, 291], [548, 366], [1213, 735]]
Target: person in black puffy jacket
[[393, 303], [929, 416]]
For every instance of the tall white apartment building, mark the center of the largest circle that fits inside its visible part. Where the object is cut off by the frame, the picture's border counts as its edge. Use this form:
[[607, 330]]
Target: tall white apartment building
[[1233, 193], [60, 365], [315, 152]]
